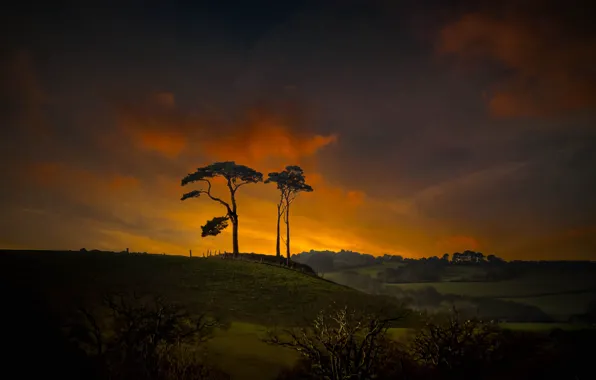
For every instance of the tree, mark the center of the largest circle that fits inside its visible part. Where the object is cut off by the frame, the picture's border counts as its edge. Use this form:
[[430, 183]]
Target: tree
[[445, 257], [290, 183], [493, 259], [321, 262], [134, 337], [235, 176], [341, 344], [456, 345]]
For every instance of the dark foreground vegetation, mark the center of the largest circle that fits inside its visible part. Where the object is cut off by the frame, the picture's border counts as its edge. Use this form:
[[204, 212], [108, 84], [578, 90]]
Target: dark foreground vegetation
[[341, 344], [75, 315]]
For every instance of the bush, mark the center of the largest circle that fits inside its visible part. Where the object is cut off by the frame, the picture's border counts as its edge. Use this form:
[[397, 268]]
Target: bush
[[339, 344], [143, 338], [456, 346]]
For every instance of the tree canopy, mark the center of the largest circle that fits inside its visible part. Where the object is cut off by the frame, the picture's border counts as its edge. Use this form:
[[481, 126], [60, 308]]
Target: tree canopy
[[236, 176], [290, 182]]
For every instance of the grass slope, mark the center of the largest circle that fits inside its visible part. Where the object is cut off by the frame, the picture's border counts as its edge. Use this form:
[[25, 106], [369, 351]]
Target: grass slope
[[236, 290], [250, 295]]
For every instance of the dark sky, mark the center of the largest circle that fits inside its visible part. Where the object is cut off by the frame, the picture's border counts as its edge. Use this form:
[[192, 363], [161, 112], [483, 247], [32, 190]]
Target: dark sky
[[425, 126]]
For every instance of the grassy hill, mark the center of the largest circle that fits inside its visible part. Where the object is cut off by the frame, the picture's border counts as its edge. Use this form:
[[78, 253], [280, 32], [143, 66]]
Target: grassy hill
[[250, 295], [235, 290]]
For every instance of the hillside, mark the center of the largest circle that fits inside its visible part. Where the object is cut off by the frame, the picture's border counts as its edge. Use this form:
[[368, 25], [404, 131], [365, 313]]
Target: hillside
[[235, 290]]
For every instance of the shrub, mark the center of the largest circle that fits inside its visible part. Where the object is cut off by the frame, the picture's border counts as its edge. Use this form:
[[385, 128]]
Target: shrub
[[143, 338], [339, 344]]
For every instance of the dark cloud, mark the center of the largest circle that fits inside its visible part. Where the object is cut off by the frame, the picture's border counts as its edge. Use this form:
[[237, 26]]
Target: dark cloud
[[106, 109], [547, 52]]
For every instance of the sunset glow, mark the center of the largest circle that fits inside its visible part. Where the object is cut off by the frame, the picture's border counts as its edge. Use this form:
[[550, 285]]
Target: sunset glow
[[478, 136]]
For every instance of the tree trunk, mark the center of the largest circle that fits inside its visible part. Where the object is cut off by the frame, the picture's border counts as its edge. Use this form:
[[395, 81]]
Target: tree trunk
[[235, 249], [277, 243], [288, 232], [234, 218]]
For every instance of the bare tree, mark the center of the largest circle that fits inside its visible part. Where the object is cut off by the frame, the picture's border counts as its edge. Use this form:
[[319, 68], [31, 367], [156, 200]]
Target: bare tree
[[340, 344], [235, 176], [455, 344], [143, 337]]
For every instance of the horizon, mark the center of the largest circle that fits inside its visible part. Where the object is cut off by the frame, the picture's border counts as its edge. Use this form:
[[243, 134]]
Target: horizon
[[468, 127], [200, 254]]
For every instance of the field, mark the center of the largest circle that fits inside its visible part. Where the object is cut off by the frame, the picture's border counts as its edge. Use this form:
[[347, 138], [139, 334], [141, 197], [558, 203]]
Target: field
[[560, 295], [240, 351], [252, 296]]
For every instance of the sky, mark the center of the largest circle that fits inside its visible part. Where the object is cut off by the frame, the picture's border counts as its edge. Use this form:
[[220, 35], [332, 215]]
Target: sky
[[424, 127]]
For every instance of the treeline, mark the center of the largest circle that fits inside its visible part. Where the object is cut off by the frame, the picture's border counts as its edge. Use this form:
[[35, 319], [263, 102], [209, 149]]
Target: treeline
[[431, 269]]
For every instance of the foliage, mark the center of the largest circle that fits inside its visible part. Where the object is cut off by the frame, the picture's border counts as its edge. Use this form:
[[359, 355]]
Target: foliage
[[290, 182], [320, 263], [215, 226], [340, 344], [235, 176], [142, 338], [456, 344]]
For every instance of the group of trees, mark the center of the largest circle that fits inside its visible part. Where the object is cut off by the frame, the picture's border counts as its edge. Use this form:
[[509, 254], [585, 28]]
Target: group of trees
[[344, 344], [290, 182], [474, 257]]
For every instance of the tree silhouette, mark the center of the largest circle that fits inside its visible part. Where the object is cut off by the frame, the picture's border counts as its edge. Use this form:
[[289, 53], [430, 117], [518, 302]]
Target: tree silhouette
[[235, 176], [290, 182]]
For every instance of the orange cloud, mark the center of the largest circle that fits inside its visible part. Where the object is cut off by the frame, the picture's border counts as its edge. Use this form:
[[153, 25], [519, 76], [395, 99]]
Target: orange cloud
[[262, 137], [67, 177], [123, 182], [356, 197], [551, 69], [169, 144], [155, 125]]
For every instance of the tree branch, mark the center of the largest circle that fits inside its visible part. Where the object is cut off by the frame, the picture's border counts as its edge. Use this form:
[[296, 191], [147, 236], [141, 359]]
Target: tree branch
[[196, 193]]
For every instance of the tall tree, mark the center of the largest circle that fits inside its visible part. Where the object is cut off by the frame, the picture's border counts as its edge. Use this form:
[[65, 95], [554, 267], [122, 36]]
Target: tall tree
[[290, 182], [235, 176]]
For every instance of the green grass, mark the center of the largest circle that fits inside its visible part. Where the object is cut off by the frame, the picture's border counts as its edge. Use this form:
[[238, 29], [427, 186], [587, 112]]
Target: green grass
[[460, 272], [541, 327], [372, 270], [252, 296], [560, 295], [236, 290], [242, 353], [559, 306], [526, 286]]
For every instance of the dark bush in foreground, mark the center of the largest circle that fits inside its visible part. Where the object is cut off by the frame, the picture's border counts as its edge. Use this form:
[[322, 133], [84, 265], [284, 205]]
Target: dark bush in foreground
[[339, 344], [144, 338], [343, 345]]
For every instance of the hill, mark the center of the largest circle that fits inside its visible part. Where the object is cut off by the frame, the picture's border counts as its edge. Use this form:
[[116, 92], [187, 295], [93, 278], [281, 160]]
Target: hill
[[252, 296], [232, 289]]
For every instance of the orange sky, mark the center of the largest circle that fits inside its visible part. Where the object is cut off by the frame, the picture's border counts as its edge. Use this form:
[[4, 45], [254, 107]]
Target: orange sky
[[465, 130]]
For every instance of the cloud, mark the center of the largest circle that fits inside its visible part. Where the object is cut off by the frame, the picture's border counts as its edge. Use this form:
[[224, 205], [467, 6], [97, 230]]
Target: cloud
[[257, 136], [401, 152], [266, 138], [549, 69]]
